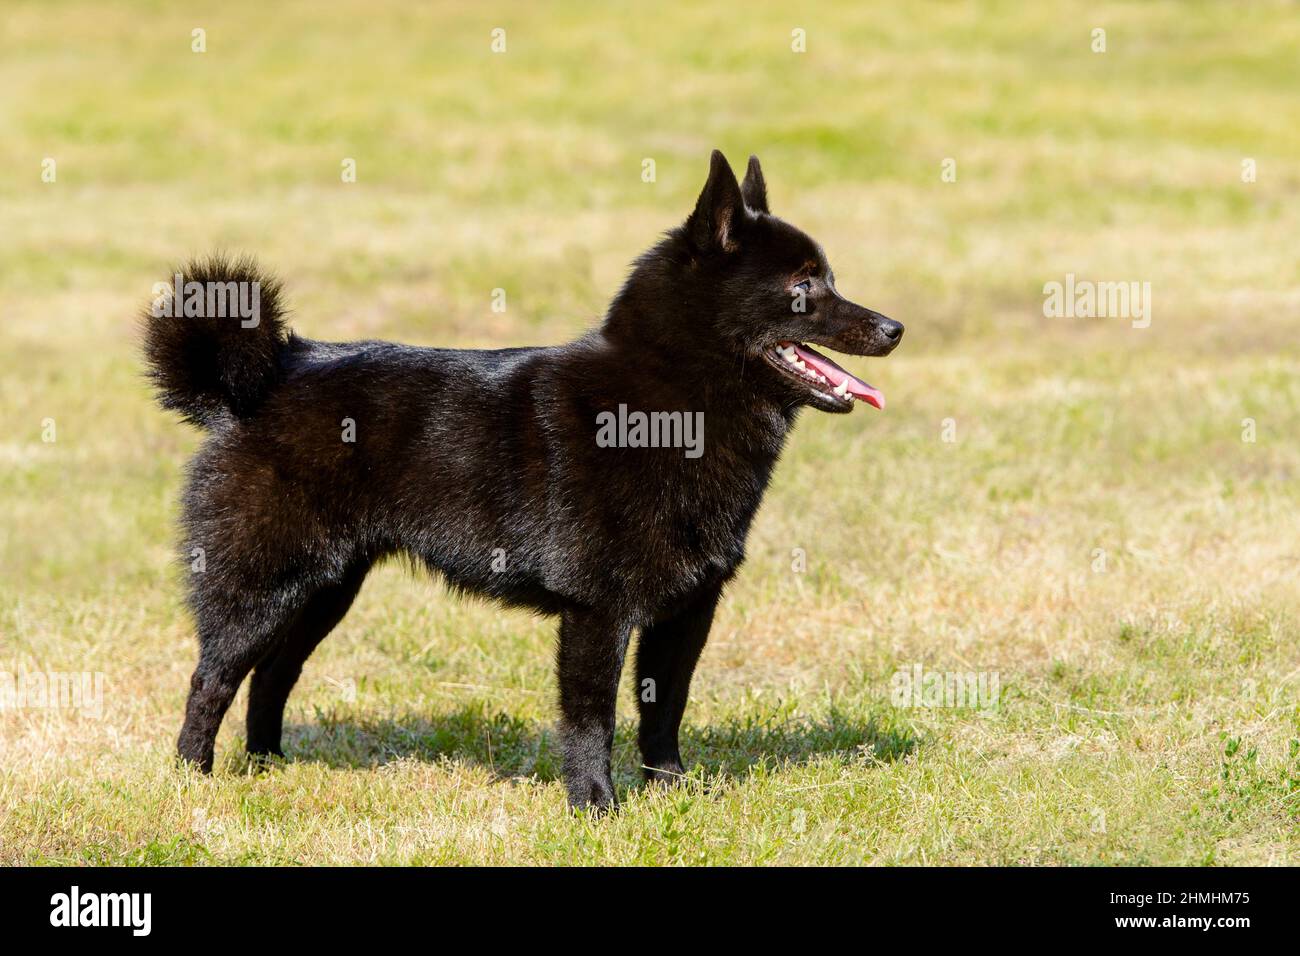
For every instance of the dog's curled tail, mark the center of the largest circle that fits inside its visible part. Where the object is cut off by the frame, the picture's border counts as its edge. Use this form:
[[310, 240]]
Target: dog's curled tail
[[213, 338]]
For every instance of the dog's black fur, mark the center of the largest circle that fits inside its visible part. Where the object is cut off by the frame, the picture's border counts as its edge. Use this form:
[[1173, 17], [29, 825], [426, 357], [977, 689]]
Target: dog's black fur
[[483, 465]]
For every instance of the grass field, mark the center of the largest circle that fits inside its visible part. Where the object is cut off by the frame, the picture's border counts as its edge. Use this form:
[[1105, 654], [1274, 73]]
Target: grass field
[[1070, 505]]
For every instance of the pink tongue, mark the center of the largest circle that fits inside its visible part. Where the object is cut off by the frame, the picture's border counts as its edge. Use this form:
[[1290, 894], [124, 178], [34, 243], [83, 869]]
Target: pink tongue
[[836, 375]]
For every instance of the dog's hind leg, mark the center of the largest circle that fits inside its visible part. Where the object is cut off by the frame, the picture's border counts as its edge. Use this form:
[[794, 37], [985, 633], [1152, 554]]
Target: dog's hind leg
[[275, 675], [590, 661], [666, 655], [236, 631]]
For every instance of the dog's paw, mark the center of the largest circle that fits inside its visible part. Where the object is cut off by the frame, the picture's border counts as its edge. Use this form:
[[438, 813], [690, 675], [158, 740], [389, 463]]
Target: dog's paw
[[195, 759], [264, 747], [664, 772], [592, 795], [260, 761]]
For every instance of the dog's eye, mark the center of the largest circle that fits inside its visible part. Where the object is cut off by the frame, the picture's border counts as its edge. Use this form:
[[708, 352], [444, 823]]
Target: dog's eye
[[803, 285]]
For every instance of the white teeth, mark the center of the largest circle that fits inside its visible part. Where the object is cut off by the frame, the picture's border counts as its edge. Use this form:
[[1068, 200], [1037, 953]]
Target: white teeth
[[788, 353]]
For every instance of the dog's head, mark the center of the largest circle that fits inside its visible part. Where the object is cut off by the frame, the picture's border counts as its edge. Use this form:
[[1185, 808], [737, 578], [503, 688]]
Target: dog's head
[[766, 293]]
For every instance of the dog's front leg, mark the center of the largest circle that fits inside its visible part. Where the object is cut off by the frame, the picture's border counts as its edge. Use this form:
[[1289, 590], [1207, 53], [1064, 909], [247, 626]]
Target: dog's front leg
[[592, 645], [666, 655]]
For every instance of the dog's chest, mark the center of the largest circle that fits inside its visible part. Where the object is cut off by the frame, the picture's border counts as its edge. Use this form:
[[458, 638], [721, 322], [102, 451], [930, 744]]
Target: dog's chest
[[698, 516]]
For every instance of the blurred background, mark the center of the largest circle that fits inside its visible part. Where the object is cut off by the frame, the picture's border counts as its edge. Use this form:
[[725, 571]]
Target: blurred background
[[1072, 503]]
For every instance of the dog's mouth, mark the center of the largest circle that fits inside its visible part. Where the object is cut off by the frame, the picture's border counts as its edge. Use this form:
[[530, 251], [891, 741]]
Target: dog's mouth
[[826, 380]]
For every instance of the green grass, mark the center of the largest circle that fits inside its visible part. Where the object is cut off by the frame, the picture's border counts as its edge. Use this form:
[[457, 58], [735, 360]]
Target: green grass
[[1149, 712]]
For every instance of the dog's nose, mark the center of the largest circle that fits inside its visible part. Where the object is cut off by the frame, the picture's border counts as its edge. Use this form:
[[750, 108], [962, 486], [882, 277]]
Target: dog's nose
[[891, 330]]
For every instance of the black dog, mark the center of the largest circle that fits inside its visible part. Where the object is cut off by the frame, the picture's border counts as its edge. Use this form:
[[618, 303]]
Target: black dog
[[523, 474]]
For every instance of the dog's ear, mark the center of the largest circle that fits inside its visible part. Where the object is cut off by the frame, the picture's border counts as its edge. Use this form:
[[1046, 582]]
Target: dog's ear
[[720, 211], [754, 188]]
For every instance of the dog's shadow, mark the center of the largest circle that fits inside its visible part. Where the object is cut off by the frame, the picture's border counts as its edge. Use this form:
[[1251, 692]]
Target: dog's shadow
[[513, 748]]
